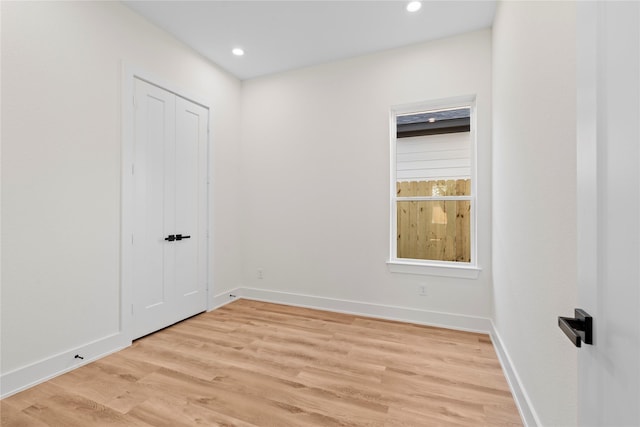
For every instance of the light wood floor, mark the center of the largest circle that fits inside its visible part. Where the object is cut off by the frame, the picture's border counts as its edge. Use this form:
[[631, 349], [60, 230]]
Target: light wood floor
[[257, 364]]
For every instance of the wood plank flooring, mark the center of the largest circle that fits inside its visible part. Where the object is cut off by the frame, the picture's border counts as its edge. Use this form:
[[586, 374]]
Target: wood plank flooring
[[258, 364]]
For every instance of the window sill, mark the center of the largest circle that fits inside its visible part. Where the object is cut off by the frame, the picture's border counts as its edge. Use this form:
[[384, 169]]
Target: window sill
[[459, 271]]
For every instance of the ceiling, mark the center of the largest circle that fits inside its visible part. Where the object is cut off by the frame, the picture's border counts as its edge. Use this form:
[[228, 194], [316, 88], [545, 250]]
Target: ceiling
[[283, 35]]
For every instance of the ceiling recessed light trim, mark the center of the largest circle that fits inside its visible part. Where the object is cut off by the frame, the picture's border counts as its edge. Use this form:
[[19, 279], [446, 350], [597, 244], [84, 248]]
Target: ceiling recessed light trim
[[414, 6], [237, 51]]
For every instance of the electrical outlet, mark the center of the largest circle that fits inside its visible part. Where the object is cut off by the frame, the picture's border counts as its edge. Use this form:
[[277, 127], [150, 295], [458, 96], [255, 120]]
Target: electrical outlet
[[260, 275], [422, 290]]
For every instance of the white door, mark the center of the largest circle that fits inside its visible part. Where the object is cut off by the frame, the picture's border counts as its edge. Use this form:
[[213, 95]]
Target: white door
[[609, 211], [170, 208]]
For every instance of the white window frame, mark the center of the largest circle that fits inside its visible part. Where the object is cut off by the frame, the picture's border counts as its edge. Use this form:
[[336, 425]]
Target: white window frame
[[465, 270]]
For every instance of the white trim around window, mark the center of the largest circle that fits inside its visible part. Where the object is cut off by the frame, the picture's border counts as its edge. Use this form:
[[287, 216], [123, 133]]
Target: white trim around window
[[468, 270]]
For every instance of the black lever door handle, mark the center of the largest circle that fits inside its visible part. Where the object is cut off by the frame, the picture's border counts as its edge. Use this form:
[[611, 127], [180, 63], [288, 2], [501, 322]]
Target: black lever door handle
[[578, 329], [180, 237], [170, 238]]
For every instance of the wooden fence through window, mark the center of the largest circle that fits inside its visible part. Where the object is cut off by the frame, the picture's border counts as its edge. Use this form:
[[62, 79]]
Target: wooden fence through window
[[438, 230]]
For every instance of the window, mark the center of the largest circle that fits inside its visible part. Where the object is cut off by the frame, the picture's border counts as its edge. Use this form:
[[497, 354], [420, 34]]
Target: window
[[433, 184]]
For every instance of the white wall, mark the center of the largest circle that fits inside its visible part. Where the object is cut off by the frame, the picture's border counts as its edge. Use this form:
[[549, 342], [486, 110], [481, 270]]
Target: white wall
[[61, 86], [534, 198], [430, 157], [315, 150]]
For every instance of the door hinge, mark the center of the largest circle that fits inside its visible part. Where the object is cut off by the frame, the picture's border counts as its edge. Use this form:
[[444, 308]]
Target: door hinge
[[131, 308], [133, 169], [134, 100], [132, 239]]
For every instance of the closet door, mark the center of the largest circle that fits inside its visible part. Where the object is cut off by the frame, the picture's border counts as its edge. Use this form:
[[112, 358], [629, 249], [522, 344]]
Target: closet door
[[191, 208], [170, 204]]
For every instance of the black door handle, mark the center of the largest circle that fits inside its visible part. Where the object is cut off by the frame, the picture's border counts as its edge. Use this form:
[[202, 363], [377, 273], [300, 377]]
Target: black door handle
[[579, 328], [172, 237]]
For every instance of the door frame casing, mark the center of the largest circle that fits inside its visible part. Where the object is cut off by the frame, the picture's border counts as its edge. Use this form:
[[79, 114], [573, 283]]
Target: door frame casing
[[127, 188]]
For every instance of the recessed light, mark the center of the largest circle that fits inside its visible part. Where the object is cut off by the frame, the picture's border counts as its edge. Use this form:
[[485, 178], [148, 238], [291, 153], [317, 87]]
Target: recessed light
[[414, 6], [431, 119], [237, 51]]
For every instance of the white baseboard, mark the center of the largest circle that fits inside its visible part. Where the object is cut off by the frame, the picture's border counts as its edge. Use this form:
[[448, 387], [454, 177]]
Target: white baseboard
[[389, 312], [225, 298], [527, 412], [22, 378]]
